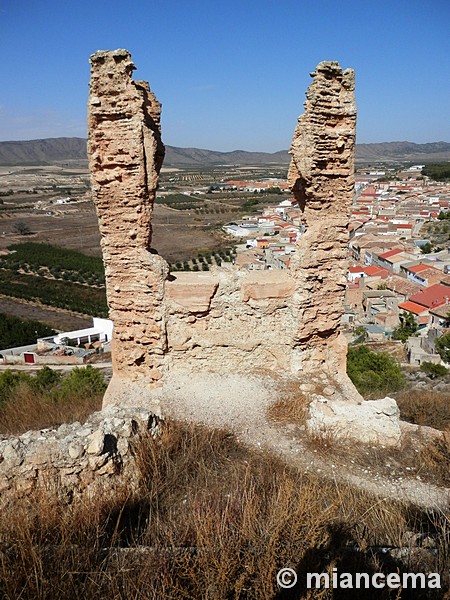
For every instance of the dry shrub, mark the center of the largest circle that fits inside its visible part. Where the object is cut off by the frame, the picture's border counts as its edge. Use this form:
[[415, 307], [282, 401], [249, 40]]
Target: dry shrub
[[425, 407], [415, 457], [50, 549], [434, 460], [289, 410], [211, 520], [29, 409]]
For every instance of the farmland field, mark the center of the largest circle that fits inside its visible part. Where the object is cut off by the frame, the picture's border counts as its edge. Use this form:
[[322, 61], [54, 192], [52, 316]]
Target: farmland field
[[52, 205]]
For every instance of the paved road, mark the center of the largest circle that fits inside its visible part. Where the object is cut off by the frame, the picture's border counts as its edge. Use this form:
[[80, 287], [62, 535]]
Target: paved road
[[33, 368]]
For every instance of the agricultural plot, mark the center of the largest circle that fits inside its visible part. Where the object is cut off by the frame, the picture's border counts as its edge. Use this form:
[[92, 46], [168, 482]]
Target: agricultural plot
[[70, 296]]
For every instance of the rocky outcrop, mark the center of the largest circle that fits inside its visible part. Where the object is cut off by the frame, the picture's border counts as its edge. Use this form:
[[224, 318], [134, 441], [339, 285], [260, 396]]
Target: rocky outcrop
[[125, 156], [76, 460], [372, 421], [321, 174]]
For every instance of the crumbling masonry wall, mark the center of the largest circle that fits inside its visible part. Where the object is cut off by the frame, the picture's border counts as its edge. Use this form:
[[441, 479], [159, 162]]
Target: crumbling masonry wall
[[321, 175], [93, 459], [125, 156], [267, 323]]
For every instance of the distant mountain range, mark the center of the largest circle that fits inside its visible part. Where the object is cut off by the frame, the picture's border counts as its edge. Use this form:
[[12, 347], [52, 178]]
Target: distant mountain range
[[403, 151], [54, 150]]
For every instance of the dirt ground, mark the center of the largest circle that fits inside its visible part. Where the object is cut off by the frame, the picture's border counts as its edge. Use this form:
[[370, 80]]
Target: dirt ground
[[242, 403], [58, 319], [33, 197], [177, 235]]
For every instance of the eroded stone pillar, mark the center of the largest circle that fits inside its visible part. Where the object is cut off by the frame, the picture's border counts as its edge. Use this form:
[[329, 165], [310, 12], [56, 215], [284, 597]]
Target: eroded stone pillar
[[125, 156], [321, 174]]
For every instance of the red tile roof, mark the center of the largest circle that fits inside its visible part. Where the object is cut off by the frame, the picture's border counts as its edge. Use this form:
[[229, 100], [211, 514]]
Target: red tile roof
[[419, 267], [412, 307], [373, 270], [369, 191], [390, 253], [432, 296]]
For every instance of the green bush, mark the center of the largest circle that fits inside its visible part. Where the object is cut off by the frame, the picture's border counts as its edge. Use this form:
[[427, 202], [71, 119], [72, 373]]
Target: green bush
[[442, 345], [46, 379], [433, 370], [81, 381], [373, 372], [9, 381]]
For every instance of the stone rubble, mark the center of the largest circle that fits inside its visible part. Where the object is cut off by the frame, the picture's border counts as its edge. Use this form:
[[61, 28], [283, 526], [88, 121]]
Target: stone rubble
[[76, 459], [381, 419]]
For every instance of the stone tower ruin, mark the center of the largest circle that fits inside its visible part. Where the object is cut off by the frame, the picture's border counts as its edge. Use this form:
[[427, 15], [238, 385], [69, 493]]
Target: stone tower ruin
[[268, 325]]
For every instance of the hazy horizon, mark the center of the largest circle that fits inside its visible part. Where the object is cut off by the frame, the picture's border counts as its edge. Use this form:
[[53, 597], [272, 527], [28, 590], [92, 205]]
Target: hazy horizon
[[227, 151]]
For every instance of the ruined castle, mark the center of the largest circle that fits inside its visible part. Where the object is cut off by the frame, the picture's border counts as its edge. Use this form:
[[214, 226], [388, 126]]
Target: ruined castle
[[173, 330], [225, 321]]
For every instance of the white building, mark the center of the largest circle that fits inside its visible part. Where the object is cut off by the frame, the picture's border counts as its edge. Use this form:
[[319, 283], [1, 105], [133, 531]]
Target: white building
[[101, 331]]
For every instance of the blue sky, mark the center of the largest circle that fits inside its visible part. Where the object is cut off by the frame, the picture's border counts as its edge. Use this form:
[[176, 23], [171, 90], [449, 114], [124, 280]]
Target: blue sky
[[233, 74]]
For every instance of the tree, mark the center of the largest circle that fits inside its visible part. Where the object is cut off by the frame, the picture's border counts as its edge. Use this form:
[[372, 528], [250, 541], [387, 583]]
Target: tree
[[18, 332], [360, 334], [21, 228], [373, 372], [442, 345], [407, 328], [426, 248]]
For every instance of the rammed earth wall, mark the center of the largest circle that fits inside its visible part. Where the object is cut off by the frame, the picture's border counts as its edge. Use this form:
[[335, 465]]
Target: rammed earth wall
[[269, 323]]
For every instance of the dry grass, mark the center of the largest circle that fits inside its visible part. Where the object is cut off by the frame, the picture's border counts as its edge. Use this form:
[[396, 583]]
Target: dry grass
[[434, 460], [425, 407], [27, 409], [211, 520], [416, 458], [290, 409]]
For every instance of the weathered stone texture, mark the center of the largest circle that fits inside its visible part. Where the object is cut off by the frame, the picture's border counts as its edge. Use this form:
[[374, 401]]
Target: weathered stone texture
[[76, 460], [125, 156], [371, 422], [269, 323], [230, 321], [322, 177]]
